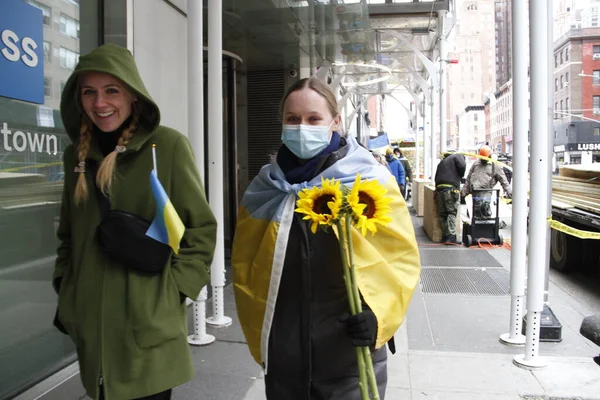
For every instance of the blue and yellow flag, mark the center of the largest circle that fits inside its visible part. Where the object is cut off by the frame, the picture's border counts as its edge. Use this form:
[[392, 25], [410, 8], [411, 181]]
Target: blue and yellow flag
[[166, 227], [387, 263]]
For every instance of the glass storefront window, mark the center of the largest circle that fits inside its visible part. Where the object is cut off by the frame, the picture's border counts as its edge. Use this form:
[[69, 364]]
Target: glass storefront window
[[32, 142]]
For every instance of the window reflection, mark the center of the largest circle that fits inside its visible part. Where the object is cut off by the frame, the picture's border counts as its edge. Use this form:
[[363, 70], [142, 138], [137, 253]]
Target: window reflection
[[32, 142]]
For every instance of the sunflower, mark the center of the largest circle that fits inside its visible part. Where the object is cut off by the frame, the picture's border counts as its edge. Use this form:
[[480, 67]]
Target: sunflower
[[321, 204], [369, 205]]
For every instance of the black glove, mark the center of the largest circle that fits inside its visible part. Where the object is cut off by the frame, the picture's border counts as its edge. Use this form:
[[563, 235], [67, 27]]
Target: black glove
[[362, 327]]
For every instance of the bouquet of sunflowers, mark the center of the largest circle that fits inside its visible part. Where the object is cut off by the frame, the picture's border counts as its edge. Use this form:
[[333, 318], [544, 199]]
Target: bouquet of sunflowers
[[363, 206]]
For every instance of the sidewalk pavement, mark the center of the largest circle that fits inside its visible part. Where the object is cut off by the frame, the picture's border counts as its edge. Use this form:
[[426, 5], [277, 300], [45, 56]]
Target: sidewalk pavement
[[448, 347]]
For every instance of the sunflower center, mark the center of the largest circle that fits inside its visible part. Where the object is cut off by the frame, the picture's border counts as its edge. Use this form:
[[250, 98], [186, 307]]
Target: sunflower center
[[320, 204], [370, 208]]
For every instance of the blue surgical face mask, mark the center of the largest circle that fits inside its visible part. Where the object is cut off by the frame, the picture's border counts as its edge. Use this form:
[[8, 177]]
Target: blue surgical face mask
[[305, 141]]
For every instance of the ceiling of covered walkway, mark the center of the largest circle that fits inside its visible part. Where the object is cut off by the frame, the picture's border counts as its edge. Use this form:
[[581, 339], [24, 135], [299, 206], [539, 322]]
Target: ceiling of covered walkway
[[363, 40]]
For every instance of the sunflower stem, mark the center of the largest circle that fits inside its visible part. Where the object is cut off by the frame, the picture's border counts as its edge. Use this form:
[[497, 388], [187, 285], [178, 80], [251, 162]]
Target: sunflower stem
[[360, 355], [368, 360]]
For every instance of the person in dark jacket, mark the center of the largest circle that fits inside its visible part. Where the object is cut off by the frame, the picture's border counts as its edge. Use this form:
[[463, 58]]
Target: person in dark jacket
[[448, 175], [405, 164], [407, 169], [129, 326], [288, 281], [397, 169]]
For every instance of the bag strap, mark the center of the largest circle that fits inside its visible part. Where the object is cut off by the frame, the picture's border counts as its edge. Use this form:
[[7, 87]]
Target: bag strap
[[103, 201]]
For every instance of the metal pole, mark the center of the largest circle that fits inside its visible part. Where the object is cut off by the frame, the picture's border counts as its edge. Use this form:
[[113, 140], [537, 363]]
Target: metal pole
[[215, 156], [196, 136], [518, 259], [432, 146], [428, 128], [550, 117], [538, 226], [200, 337], [312, 50], [417, 133], [443, 59]]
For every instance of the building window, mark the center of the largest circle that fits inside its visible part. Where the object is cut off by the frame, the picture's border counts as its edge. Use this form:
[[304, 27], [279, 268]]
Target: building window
[[556, 85], [68, 58], [567, 54], [555, 60], [567, 77], [596, 104], [562, 108], [69, 26], [567, 104], [46, 11], [47, 86], [596, 80], [596, 131], [561, 58], [47, 51], [562, 82], [596, 49], [475, 117]]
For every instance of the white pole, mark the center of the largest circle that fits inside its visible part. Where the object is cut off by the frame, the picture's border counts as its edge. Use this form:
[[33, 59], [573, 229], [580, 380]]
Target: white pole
[[538, 226], [428, 128], [417, 133], [200, 337], [518, 259], [433, 144], [215, 156], [195, 54], [195, 72], [550, 116], [443, 59]]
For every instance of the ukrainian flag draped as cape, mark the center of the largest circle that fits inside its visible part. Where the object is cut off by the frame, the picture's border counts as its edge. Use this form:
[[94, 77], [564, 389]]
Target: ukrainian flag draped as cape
[[387, 263]]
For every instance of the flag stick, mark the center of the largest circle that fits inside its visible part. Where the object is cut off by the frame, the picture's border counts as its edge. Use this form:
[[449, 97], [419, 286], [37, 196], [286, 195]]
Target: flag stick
[[154, 156]]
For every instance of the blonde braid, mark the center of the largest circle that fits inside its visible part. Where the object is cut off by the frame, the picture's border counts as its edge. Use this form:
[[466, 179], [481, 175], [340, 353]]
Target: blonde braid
[[85, 138], [107, 168]]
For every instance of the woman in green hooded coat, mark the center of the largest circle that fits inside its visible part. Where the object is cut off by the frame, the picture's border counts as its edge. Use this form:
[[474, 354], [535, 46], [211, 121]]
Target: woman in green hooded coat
[[129, 328]]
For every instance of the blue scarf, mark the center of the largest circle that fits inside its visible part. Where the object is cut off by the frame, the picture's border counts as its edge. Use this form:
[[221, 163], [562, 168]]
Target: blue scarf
[[297, 170]]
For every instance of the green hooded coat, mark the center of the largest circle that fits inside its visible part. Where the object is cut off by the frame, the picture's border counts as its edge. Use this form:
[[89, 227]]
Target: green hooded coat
[[130, 329]]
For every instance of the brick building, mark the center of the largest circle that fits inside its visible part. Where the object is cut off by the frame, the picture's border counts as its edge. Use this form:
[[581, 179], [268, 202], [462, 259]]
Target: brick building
[[577, 95]]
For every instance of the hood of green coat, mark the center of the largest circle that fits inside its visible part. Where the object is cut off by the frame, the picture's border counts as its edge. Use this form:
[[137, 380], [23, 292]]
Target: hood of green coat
[[118, 62]]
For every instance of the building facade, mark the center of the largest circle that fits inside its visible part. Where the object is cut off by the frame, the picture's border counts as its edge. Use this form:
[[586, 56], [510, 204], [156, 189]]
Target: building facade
[[471, 128], [576, 95], [475, 73], [503, 25], [501, 114]]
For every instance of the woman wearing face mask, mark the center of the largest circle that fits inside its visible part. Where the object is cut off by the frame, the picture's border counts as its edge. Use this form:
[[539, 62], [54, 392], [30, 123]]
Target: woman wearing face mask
[[127, 321], [289, 288]]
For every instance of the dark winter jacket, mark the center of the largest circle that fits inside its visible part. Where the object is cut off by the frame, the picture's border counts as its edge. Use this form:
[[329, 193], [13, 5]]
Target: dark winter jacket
[[451, 170], [397, 170], [320, 352], [130, 329], [407, 168]]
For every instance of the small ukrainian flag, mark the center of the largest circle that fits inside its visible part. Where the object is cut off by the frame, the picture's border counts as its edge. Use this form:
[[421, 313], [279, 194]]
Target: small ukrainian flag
[[166, 227]]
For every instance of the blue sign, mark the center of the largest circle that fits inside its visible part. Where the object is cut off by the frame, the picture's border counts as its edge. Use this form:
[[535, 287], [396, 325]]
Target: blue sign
[[21, 51]]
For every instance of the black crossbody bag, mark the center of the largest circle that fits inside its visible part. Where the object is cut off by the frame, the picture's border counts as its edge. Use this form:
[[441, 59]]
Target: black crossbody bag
[[122, 236]]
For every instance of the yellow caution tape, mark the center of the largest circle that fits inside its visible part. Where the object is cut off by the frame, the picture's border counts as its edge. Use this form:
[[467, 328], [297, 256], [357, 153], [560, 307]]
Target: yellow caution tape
[[31, 166], [559, 226]]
